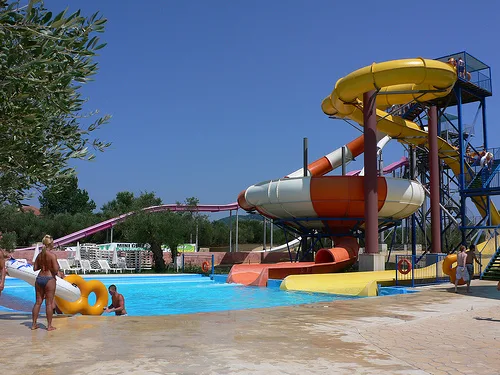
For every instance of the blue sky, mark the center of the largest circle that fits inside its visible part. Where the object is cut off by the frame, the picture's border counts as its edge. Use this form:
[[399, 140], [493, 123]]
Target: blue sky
[[209, 97]]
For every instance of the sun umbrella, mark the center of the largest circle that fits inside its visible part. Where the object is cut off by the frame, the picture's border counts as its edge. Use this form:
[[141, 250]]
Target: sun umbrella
[[78, 255], [37, 251], [115, 254]]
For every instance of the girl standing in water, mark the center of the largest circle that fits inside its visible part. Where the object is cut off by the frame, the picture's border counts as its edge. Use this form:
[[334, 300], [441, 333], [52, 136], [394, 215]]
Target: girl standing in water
[[45, 284]]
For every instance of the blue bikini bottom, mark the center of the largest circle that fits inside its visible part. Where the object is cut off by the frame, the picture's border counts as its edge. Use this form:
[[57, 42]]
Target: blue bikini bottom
[[42, 281]]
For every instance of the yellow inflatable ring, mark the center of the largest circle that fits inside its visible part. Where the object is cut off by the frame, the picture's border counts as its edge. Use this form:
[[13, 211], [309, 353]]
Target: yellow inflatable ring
[[82, 304], [451, 271]]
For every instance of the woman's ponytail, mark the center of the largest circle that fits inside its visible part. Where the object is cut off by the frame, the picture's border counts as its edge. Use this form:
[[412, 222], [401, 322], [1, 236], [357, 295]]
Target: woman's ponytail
[[47, 241]]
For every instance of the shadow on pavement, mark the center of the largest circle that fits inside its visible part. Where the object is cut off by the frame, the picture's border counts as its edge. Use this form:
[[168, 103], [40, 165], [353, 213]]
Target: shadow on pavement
[[488, 289], [15, 316], [489, 319]]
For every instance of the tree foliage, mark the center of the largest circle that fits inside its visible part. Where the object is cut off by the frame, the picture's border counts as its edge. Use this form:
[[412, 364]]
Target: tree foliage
[[66, 199], [156, 229], [44, 60], [8, 241], [160, 228], [123, 203]]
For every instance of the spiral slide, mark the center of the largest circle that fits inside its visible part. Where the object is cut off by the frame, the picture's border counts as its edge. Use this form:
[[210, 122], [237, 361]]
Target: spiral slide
[[400, 81], [345, 254], [317, 196]]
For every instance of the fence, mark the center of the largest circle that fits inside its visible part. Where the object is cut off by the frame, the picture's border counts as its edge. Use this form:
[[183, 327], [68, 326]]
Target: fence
[[427, 269], [194, 259]]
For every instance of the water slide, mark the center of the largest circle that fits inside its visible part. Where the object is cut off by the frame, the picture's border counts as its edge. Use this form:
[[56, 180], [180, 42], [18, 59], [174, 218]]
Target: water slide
[[389, 169], [397, 82], [400, 81], [111, 222], [362, 284]]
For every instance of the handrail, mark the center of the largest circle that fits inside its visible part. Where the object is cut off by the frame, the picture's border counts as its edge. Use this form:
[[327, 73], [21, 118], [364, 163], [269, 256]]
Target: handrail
[[442, 207], [495, 236]]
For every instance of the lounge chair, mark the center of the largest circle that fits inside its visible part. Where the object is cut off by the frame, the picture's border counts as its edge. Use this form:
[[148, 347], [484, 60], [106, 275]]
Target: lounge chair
[[65, 267], [103, 263], [123, 265], [87, 267]]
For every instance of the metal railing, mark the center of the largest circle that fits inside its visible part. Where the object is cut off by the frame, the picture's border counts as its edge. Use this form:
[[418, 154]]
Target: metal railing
[[491, 245], [427, 269], [413, 270], [476, 72]]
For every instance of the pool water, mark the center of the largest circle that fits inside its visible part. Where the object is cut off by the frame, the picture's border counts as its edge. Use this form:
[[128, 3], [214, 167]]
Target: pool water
[[180, 294]]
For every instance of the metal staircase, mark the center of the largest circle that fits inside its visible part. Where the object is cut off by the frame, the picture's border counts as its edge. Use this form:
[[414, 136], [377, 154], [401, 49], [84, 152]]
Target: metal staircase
[[414, 111], [409, 111], [482, 180], [492, 270]]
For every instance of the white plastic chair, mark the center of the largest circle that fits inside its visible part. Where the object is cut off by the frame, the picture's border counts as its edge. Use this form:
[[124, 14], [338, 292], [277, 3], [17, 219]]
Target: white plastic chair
[[64, 266], [123, 265], [103, 263], [87, 267]]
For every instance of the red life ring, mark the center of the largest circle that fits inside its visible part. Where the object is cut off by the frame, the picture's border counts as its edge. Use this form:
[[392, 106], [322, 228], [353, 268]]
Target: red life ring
[[205, 267], [407, 265]]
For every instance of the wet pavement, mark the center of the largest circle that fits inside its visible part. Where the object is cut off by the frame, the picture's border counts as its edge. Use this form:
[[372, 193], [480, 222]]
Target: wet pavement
[[434, 331]]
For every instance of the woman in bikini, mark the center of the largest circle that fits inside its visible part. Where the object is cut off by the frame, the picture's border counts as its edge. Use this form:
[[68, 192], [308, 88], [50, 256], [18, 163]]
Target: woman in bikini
[[45, 284]]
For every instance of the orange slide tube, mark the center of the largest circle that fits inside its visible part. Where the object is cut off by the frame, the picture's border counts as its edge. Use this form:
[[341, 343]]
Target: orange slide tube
[[322, 166], [335, 259]]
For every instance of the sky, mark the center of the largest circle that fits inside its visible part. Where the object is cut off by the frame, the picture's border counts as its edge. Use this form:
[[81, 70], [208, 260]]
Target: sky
[[210, 97]]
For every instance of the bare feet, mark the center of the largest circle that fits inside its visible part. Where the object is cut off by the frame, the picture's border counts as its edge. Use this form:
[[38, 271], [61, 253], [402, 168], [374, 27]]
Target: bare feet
[[34, 326], [51, 328]]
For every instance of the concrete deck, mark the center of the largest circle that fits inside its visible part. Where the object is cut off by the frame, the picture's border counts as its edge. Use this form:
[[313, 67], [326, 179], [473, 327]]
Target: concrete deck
[[431, 332]]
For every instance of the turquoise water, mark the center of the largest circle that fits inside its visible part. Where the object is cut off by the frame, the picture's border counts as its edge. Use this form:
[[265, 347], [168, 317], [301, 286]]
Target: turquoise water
[[183, 294]]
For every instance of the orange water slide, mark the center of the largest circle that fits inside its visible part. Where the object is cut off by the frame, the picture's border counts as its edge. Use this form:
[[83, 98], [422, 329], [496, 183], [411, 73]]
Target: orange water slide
[[327, 260]]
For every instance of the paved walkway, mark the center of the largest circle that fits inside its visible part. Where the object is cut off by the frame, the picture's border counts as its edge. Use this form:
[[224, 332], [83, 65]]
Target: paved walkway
[[431, 332]]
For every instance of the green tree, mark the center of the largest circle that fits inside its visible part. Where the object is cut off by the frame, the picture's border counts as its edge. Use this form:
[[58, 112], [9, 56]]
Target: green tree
[[8, 241], [65, 198], [63, 224], [123, 203], [220, 233], [157, 229], [27, 227], [44, 60]]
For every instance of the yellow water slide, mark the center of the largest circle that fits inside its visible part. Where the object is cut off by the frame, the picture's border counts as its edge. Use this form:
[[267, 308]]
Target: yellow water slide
[[362, 284], [399, 82], [396, 82]]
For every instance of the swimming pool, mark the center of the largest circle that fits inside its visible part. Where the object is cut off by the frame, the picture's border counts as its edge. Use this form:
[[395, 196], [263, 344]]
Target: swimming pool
[[180, 294]]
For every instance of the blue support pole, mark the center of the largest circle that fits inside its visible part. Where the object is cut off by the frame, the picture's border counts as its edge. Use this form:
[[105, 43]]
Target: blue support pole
[[437, 268], [485, 134], [397, 261], [413, 235], [485, 144], [461, 179], [413, 175], [213, 264], [413, 271]]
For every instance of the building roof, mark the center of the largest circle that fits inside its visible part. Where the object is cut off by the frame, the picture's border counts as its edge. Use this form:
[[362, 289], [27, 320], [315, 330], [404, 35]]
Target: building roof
[[28, 208]]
